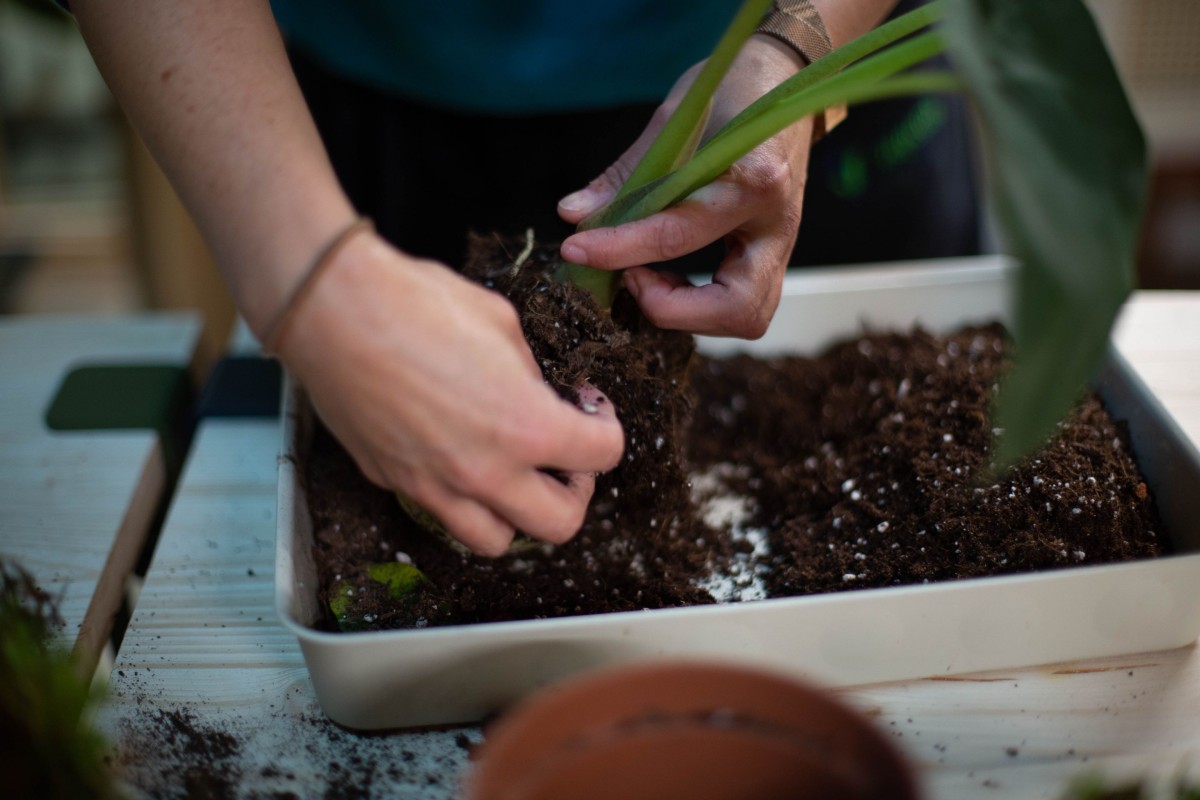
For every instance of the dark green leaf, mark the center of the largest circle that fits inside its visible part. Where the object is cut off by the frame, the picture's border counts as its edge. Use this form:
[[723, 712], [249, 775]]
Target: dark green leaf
[[341, 603], [1067, 175]]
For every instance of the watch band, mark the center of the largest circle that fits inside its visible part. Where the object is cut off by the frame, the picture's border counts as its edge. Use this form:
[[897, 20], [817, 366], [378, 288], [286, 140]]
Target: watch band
[[797, 24]]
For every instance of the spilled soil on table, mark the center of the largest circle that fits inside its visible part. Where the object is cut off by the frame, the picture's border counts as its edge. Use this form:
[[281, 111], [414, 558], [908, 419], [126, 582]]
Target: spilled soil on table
[[201, 750], [747, 478]]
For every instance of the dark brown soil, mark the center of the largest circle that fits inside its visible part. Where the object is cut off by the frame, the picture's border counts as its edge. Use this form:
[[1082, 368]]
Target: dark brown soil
[[863, 467], [638, 547], [790, 476]]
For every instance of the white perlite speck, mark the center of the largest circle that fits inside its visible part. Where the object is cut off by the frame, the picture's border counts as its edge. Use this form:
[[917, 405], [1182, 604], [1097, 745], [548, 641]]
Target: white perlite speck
[[720, 508]]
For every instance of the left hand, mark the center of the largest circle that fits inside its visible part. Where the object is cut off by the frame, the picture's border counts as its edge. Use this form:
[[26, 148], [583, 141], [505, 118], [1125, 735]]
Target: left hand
[[755, 206]]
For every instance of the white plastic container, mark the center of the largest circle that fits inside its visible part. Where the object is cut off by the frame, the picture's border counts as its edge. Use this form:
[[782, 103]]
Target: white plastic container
[[446, 675]]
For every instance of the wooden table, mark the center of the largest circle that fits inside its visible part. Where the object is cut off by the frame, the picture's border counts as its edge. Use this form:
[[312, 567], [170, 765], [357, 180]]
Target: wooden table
[[75, 506], [205, 660]]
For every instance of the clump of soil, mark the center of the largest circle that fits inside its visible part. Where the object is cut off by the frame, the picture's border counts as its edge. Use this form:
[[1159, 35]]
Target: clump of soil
[[638, 547], [748, 478]]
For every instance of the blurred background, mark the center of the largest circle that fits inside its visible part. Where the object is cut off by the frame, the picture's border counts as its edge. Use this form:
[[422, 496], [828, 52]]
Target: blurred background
[[87, 222]]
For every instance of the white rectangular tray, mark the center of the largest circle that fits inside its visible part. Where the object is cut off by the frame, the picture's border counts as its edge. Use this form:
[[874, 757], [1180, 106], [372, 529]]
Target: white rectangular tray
[[445, 675]]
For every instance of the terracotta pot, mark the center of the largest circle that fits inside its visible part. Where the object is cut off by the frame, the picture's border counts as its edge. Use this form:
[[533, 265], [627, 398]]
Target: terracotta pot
[[685, 729]]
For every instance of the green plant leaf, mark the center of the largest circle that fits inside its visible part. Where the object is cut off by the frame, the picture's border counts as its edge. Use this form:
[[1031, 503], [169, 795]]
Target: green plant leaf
[[400, 579], [1067, 170], [680, 136], [341, 602], [653, 186], [678, 139], [46, 704], [869, 79], [807, 92], [837, 60]]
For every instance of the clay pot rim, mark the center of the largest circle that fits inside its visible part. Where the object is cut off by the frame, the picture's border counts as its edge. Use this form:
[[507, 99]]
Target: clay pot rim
[[567, 716]]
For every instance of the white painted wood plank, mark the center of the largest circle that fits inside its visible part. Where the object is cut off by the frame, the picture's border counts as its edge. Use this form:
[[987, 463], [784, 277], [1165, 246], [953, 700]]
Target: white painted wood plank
[[64, 495], [1159, 333], [1030, 731], [204, 638]]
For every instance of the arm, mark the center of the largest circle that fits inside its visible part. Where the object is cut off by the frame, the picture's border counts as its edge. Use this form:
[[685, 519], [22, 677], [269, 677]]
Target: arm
[[395, 351], [755, 207]]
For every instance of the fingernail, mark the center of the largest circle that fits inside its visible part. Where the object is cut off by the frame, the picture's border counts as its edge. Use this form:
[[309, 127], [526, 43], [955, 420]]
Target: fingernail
[[582, 202], [591, 400], [573, 253]]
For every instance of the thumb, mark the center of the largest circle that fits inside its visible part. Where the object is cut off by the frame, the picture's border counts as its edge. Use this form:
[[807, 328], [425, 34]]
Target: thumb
[[604, 443], [575, 207], [594, 402]]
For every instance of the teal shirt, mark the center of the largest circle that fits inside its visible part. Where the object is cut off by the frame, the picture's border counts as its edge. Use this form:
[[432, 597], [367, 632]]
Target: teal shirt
[[509, 57]]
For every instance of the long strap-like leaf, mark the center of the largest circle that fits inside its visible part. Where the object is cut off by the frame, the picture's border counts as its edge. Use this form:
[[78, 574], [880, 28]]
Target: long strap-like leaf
[[1068, 179], [859, 83], [680, 136], [644, 193]]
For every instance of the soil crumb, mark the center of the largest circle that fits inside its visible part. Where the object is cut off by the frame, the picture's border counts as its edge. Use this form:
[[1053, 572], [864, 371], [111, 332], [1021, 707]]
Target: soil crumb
[[175, 754], [203, 751]]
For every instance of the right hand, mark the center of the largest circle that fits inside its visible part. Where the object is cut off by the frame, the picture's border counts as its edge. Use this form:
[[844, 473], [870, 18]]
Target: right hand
[[754, 206], [428, 382]]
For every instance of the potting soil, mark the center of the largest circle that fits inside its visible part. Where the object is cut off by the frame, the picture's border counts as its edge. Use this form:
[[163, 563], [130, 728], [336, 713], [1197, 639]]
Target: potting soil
[[746, 478]]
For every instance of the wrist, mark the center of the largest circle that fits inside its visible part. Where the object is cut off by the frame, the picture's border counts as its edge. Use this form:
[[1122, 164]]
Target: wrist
[[267, 264], [773, 63], [273, 333], [797, 26], [782, 58]]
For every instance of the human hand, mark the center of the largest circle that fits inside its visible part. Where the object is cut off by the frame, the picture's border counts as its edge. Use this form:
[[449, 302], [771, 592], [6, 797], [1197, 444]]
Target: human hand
[[755, 206], [428, 382]]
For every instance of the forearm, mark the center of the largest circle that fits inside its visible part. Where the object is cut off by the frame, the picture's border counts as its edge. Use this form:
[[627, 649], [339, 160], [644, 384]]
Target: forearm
[[209, 88]]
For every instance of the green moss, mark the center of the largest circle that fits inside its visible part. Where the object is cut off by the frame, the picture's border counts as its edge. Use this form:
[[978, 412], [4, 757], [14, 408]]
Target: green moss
[[50, 749], [402, 582], [400, 579]]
